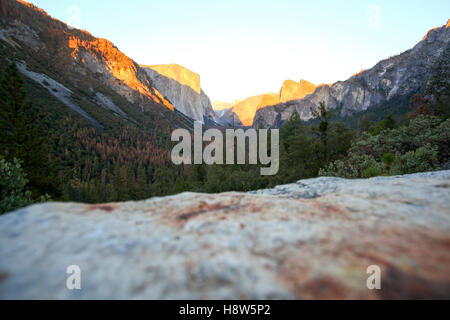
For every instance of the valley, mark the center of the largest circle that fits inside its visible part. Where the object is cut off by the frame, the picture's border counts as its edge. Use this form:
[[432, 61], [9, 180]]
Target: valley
[[108, 119], [122, 178]]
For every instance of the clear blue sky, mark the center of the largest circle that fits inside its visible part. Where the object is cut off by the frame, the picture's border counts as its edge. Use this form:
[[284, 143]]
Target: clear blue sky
[[242, 48]]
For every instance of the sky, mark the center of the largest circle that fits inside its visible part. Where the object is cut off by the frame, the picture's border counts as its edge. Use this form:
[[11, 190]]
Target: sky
[[243, 48]]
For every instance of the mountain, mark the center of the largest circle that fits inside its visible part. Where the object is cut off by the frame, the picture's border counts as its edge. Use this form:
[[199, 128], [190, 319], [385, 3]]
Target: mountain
[[182, 88], [246, 109], [392, 81], [66, 61], [224, 111], [108, 127], [292, 90], [222, 105]]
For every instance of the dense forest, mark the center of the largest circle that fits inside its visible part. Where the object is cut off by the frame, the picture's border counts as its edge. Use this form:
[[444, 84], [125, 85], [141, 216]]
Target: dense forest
[[65, 159]]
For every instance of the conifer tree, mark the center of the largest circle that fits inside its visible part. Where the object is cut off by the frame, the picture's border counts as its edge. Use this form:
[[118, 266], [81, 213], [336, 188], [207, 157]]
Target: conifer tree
[[23, 138], [142, 190], [322, 131], [365, 125]]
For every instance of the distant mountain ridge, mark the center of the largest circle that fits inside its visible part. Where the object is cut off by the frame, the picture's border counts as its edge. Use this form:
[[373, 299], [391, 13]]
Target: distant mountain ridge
[[222, 105], [246, 109], [394, 78]]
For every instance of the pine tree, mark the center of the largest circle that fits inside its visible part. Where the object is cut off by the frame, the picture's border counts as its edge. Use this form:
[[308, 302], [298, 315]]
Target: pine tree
[[322, 131], [120, 183], [163, 182], [179, 185], [196, 178], [365, 125], [23, 138], [142, 190]]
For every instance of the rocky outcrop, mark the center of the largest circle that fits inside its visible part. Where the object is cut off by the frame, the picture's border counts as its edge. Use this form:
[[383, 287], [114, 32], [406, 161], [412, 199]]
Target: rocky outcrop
[[246, 109], [224, 111], [313, 239], [228, 118], [398, 76], [62, 93], [292, 90], [182, 88]]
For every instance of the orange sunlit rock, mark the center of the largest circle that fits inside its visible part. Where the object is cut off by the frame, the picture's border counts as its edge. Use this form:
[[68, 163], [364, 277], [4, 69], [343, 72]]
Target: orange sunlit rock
[[222, 105], [180, 74], [430, 31], [118, 64], [247, 108], [358, 73], [291, 90]]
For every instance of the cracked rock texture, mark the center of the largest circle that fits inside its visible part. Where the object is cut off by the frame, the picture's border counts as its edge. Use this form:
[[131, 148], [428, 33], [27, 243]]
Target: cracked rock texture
[[311, 240]]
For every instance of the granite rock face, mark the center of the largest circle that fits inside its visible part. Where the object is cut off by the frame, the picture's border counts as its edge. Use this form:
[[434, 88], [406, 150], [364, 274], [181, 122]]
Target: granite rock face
[[292, 90], [182, 88], [398, 76], [246, 109], [76, 58], [311, 240]]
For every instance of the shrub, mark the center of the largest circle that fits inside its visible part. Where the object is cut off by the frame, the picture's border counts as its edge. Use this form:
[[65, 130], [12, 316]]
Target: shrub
[[421, 160], [371, 172], [388, 159], [12, 186], [422, 145]]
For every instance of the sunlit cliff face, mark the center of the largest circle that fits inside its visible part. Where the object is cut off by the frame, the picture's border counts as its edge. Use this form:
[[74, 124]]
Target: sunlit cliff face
[[291, 90], [117, 64], [428, 33], [246, 109], [179, 74]]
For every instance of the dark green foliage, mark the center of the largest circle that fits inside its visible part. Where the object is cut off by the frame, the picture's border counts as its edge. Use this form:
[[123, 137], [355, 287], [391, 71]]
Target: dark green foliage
[[322, 131], [422, 145], [303, 151], [388, 159], [12, 186], [366, 124], [164, 180], [421, 160], [23, 137]]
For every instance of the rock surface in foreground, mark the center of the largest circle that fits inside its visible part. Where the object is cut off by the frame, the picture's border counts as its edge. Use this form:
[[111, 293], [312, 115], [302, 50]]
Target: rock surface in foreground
[[310, 240]]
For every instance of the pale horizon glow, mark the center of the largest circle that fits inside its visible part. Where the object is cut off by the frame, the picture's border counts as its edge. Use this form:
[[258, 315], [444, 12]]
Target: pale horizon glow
[[245, 48]]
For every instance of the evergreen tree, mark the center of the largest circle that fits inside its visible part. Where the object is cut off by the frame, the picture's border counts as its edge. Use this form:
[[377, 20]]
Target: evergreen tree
[[142, 190], [196, 178], [180, 185], [322, 130], [120, 183], [365, 125], [390, 122], [22, 138], [163, 182]]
